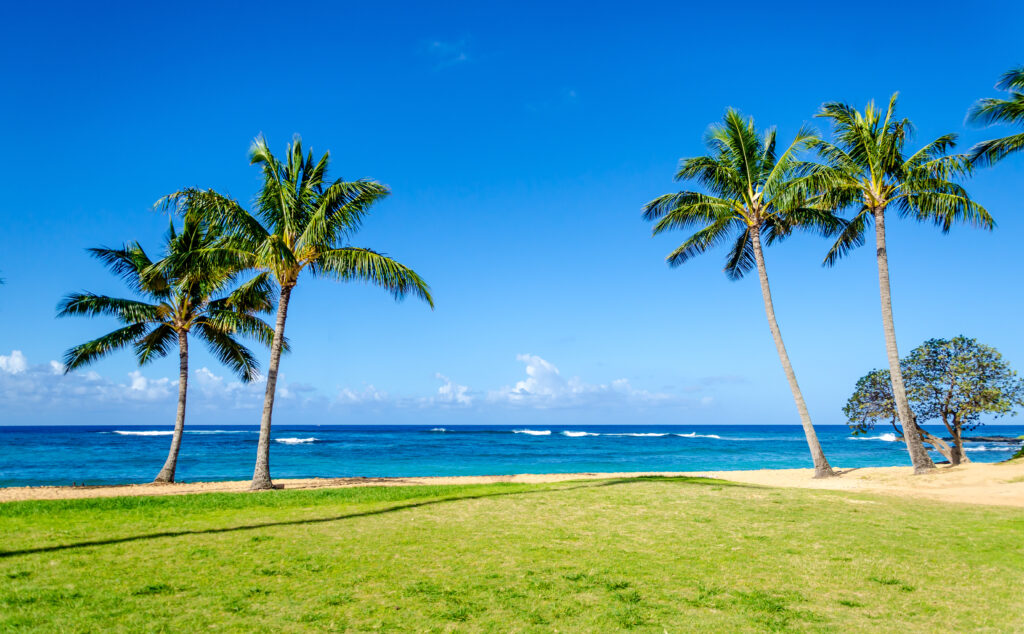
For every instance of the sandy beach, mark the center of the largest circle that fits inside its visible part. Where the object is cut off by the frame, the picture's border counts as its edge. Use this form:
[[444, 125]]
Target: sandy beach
[[996, 483]]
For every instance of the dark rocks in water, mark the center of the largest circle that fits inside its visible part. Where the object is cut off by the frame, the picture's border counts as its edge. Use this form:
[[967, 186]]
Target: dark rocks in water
[[1007, 439]]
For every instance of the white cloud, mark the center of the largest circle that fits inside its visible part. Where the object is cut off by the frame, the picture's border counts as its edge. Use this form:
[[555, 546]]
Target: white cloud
[[151, 389], [451, 392], [544, 386], [13, 363], [32, 387], [369, 394]]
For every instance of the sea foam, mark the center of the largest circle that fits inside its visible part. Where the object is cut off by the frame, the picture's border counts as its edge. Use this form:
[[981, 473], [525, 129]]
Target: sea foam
[[532, 432], [889, 437], [142, 433], [295, 441], [579, 434]]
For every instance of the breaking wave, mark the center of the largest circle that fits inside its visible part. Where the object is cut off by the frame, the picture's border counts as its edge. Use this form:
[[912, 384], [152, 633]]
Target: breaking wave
[[889, 437], [295, 441], [532, 432], [167, 432]]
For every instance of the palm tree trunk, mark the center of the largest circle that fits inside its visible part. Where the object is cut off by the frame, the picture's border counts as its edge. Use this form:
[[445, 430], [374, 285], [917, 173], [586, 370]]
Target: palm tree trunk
[[821, 467], [918, 455], [261, 476], [167, 473]]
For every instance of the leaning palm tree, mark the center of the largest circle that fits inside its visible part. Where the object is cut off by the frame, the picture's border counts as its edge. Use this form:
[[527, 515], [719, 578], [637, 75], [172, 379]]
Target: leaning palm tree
[[869, 170], [191, 297], [302, 223], [756, 197], [992, 111]]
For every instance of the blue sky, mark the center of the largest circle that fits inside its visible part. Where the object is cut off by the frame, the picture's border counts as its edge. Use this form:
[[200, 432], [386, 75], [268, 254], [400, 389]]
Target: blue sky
[[520, 142]]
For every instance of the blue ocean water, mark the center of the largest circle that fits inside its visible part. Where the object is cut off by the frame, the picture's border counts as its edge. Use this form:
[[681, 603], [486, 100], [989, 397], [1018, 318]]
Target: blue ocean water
[[115, 455]]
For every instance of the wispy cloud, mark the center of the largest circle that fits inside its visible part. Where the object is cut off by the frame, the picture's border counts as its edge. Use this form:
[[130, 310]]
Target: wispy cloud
[[446, 54], [26, 386], [545, 387]]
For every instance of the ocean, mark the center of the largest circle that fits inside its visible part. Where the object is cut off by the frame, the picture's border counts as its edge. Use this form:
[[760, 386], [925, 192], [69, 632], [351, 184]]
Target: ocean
[[132, 454]]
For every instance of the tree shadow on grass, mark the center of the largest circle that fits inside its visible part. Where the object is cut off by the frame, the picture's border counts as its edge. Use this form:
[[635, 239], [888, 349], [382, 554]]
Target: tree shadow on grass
[[371, 513]]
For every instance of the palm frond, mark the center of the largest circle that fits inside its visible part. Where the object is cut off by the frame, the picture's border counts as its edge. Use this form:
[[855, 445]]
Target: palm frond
[[851, 237], [228, 351], [126, 311], [712, 235], [155, 345], [740, 260], [987, 153], [238, 322], [351, 264], [91, 351], [339, 212]]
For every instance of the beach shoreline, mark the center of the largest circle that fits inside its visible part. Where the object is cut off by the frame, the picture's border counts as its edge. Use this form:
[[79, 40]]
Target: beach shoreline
[[974, 483]]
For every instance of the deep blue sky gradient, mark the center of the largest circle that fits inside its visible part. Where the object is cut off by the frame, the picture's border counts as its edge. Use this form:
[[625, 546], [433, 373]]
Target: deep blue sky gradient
[[520, 141]]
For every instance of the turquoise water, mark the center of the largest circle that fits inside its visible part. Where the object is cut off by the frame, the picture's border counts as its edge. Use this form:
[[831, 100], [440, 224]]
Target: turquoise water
[[110, 455]]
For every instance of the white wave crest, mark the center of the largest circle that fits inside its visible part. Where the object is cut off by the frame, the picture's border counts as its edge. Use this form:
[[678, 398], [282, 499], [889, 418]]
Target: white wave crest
[[889, 437], [990, 448], [142, 433], [295, 441], [694, 434], [222, 431], [642, 435], [579, 434], [532, 432], [439, 430]]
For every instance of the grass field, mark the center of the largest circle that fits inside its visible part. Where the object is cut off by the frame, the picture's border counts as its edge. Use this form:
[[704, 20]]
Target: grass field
[[645, 555]]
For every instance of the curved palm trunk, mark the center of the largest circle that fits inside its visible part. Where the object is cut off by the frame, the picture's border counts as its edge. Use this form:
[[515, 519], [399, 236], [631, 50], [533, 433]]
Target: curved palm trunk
[[821, 467], [261, 476], [167, 473], [959, 457], [918, 455]]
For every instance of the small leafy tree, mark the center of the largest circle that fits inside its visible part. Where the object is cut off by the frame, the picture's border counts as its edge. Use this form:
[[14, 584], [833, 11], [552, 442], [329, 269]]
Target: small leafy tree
[[873, 402], [957, 380], [954, 381]]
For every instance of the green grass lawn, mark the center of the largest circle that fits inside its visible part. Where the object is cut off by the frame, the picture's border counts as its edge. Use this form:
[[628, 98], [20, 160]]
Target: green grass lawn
[[647, 555]]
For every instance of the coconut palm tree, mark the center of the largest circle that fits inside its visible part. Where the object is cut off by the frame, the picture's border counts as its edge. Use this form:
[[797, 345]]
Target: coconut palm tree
[[991, 111], [756, 197], [869, 170], [193, 296], [301, 223]]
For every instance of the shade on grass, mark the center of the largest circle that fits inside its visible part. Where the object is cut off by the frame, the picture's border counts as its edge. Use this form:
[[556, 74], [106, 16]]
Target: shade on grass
[[643, 554]]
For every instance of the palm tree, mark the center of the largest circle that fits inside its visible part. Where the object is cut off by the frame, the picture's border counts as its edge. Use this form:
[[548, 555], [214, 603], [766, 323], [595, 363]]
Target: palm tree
[[869, 170], [992, 111], [301, 223], [190, 297], [756, 197]]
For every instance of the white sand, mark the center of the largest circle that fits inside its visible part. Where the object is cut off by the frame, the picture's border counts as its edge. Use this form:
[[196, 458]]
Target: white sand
[[999, 483]]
